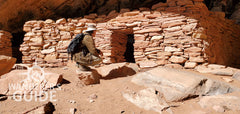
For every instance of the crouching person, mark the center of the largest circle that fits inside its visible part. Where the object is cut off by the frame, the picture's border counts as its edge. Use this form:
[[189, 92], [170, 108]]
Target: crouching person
[[88, 54]]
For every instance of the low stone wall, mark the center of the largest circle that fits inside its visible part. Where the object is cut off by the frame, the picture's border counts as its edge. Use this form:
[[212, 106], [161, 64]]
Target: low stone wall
[[168, 34], [5, 43]]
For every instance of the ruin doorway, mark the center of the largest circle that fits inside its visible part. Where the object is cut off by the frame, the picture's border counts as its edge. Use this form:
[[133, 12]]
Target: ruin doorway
[[129, 53], [17, 40], [122, 46]]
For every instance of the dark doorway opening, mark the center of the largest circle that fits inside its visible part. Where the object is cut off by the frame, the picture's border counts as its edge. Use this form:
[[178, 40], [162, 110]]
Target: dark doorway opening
[[122, 46], [129, 53], [17, 40]]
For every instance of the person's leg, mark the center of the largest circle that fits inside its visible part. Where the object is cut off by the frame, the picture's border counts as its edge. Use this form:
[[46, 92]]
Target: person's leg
[[77, 64]]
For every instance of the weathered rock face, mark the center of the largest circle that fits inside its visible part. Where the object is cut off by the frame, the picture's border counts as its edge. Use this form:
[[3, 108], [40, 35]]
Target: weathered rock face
[[5, 43], [12, 20], [148, 99], [220, 103], [172, 33], [177, 85], [228, 7], [29, 81]]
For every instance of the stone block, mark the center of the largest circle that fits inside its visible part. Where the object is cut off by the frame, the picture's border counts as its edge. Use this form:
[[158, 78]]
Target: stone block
[[141, 44], [6, 64], [193, 50], [198, 59], [177, 59], [164, 53], [156, 38], [36, 41], [88, 78], [169, 24], [62, 45], [61, 21], [139, 37], [172, 49], [51, 58], [190, 65], [177, 84], [173, 34], [48, 51], [147, 30], [147, 64]]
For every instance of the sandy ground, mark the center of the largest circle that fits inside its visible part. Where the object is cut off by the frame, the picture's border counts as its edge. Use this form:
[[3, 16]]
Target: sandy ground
[[106, 98]]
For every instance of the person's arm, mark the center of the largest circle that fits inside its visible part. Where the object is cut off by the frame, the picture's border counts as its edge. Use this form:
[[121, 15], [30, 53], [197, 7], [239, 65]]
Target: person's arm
[[89, 43]]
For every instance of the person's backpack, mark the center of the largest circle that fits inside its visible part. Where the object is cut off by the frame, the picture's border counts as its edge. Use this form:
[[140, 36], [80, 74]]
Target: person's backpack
[[75, 45]]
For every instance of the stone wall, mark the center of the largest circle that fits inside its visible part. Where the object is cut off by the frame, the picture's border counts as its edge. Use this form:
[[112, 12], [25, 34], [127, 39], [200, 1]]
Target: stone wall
[[13, 20], [5, 43], [168, 34]]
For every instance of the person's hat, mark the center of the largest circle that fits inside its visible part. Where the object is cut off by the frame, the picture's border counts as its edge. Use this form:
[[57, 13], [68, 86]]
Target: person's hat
[[91, 28]]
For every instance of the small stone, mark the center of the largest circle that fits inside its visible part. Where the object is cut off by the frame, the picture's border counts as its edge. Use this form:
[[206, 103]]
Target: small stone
[[227, 79], [93, 96], [72, 101], [91, 101], [65, 68], [62, 20], [49, 21], [190, 65], [177, 59], [157, 38], [88, 78]]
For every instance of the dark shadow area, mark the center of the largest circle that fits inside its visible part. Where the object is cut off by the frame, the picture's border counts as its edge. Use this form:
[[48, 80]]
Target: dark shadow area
[[49, 108], [190, 97], [3, 97], [17, 40], [64, 81], [129, 53], [228, 6], [16, 23], [61, 82], [122, 45], [116, 73]]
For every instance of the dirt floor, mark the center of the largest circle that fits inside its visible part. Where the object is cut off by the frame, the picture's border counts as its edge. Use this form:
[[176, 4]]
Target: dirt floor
[[103, 98]]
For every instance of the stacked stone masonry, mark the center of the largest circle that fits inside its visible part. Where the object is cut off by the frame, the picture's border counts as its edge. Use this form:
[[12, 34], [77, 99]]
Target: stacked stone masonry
[[167, 34], [5, 43]]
